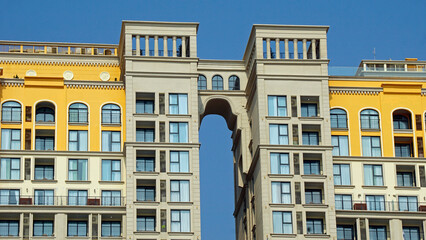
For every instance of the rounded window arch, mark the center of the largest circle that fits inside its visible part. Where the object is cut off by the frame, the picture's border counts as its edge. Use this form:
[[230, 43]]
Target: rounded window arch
[[11, 111], [234, 83], [77, 113], [338, 118], [111, 114], [217, 82], [202, 82], [370, 119], [45, 112], [401, 119]]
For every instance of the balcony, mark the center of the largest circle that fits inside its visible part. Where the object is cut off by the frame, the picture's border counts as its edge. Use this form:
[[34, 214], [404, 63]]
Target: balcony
[[383, 206], [72, 201]]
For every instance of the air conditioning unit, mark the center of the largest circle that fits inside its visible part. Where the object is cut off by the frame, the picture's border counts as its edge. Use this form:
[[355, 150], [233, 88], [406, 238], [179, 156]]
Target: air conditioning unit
[[360, 206], [92, 201], [25, 201]]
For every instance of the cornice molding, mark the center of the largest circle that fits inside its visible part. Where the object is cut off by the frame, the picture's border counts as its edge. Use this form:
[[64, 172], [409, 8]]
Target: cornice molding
[[356, 90], [94, 84], [58, 60], [12, 82]]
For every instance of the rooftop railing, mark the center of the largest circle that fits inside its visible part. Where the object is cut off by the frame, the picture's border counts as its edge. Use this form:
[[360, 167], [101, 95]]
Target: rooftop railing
[[390, 70], [56, 49]]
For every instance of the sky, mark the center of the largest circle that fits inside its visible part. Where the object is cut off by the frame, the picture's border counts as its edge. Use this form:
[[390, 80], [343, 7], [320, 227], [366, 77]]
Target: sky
[[395, 29]]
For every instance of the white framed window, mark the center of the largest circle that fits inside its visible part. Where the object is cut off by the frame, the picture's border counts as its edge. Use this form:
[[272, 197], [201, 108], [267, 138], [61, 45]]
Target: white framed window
[[179, 161], [111, 141], [77, 140], [77, 169], [10, 168], [343, 201], [277, 106], [178, 132], [179, 191], [340, 145], [371, 146], [111, 170], [278, 134], [342, 174], [178, 103], [43, 197], [180, 221], [280, 163], [282, 222], [373, 175], [281, 192], [11, 139], [111, 198]]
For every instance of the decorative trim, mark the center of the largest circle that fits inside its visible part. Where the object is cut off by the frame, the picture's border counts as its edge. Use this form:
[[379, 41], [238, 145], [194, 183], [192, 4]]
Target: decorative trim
[[94, 84], [423, 91], [62, 62], [355, 90], [12, 82]]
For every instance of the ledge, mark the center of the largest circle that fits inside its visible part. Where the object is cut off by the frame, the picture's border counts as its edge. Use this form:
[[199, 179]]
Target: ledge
[[278, 117], [314, 176], [11, 180], [77, 182], [181, 233], [146, 173], [344, 186], [282, 205], [178, 115], [403, 131], [111, 124], [180, 203], [145, 115], [316, 236], [406, 188], [375, 187], [281, 175], [180, 173], [110, 182], [340, 129], [315, 205], [44, 181], [370, 130], [146, 233], [78, 124], [11, 122], [283, 235], [45, 124], [311, 118]]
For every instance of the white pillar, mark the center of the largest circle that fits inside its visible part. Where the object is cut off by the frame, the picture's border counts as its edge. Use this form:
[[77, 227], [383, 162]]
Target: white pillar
[[174, 47], [156, 46], [367, 229], [395, 227], [295, 52], [146, 45], [358, 229], [286, 49], [268, 48], [277, 48], [166, 53], [314, 48], [183, 47], [305, 53], [323, 48], [138, 45]]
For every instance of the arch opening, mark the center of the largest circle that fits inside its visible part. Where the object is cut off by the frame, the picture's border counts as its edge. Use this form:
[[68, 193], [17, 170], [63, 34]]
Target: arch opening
[[220, 107]]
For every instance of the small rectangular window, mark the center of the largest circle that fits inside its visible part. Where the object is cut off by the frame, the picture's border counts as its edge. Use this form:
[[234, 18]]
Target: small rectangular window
[[342, 174], [111, 141], [295, 134], [371, 146], [42, 228], [408, 203], [178, 103], [418, 122], [28, 139], [178, 132], [77, 228], [179, 191], [313, 196], [11, 139], [375, 202], [314, 226], [44, 169], [282, 222], [77, 197], [373, 175], [278, 134], [340, 145], [111, 198], [28, 113], [161, 100], [180, 221], [296, 164], [343, 202], [43, 197], [179, 161], [280, 163], [293, 106], [77, 140], [277, 106], [111, 229], [281, 192], [145, 103], [10, 168], [77, 169], [111, 170]]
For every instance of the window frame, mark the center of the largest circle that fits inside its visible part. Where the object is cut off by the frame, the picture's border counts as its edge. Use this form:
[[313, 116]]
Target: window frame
[[145, 218], [80, 224], [11, 171], [111, 234], [178, 106], [143, 161], [202, 83], [110, 200], [178, 134], [311, 137], [109, 145], [282, 138], [179, 212], [84, 176], [217, 82], [79, 140], [377, 202], [282, 168], [275, 109], [43, 228], [11, 143], [80, 198], [180, 193], [79, 109], [367, 119], [180, 162], [13, 110], [337, 117], [10, 228], [339, 139], [408, 204], [309, 163], [375, 177], [111, 170], [314, 222], [141, 104], [285, 224], [312, 195], [341, 204], [107, 110], [341, 176], [370, 152], [284, 192], [46, 199], [306, 108], [234, 83]]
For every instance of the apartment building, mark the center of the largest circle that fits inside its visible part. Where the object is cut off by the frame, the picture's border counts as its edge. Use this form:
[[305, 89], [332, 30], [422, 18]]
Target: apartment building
[[101, 141]]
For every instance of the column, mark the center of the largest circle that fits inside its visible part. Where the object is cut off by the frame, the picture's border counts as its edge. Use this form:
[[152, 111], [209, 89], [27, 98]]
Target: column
[[295, 52], [183, 47], [323, 48], [286, 49], [138, 45], [268, 48], [146, 45], [277, 48], [367, 229], [259, 48], [89, 227], [358, 229], [395, 227], [305, 53], [314, 48], [424, 227], [156, 46], [166, 53], [174, 46]]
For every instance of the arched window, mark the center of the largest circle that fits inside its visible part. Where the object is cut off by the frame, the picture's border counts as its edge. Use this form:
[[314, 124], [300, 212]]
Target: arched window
[[11, 112], [234, 83], [45, 112], [370, 119], [78, 113], [217, 82], [111, 114], [401, 119], [202, 82], [338, 118]]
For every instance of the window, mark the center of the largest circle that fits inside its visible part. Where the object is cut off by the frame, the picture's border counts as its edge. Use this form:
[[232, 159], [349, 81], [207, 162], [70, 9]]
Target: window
[[11, 139], [145, 106], [145, 224], [370, 119], [202, 82], [277, 106], [178, 132], [77, 228], [111, 114], [377, 232], [373, 175], [11, 112], [234, 83], [77, 140], [77, 197], [180, 221], [313, 196], [282, 222], [111, 170], [343, 202], [403, 150], [371, 147], [111, 141], [375, 202], [400, 122], [10, 168], [345, 232], [145, 164], [77, 169], [145, 134], [281, 192], [311, 167], [407, 203], [278, 134], [45, 114], [43, 172], [340, 145], [178, 103], [310, 138], [405, 179], [9, 228], [111, 229], [342, 174], [309, 109], [217, 82], [145, 193], [411, 233], [111, 198], [280, 163], [314, 226], [179, 161], [179, 191], [78, 113], [43, 228], [43, 197], [9, 197], [44, 143], [338, 118]]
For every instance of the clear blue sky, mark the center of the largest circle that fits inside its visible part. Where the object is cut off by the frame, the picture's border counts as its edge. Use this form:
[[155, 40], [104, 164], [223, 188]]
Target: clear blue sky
[[396, 29]]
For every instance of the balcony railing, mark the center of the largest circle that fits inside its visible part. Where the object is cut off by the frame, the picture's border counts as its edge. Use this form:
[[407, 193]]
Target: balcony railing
[[32, 200], [388, 206], [58, 49]]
